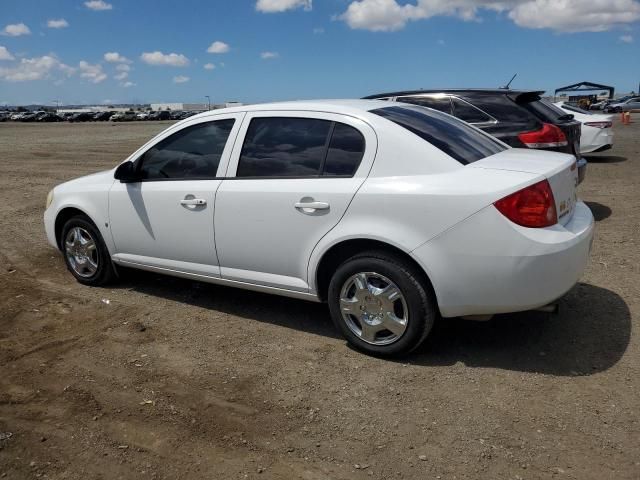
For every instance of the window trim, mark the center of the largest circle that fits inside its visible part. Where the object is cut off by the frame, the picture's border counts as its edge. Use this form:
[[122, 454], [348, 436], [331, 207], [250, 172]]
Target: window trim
[[321, 168]]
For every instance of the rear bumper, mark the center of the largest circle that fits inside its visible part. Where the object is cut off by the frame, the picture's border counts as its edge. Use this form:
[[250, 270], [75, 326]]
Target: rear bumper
[[488, 265], [582, 169]]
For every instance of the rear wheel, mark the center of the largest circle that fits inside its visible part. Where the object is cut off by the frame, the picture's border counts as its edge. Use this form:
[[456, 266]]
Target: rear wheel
[[380, 304], [85, 252]]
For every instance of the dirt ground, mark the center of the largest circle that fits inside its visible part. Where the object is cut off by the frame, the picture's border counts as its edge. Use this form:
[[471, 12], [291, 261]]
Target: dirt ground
[[157, 377]]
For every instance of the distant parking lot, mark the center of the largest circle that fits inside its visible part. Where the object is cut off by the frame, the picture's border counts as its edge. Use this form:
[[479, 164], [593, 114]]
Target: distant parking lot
[[173, 379]]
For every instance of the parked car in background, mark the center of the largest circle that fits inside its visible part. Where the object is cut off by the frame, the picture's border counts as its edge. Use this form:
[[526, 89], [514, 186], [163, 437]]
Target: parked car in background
[[48, 117], [123, 117], [627, 104], [161, 115], [520, 118], [597, 131], [102, 116], [142, 116], [391, 213], [81, 117]]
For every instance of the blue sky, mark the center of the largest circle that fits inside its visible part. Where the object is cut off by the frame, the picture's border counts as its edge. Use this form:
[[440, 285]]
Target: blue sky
[[290, 49]]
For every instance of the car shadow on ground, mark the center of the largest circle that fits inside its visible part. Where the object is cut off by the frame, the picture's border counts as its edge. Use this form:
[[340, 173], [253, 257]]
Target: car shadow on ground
[[599, 211], [605, 159], [589, 335]]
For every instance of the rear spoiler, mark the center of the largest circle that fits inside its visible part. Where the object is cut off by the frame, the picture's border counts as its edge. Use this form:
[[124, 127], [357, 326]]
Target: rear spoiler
[[525, 97]]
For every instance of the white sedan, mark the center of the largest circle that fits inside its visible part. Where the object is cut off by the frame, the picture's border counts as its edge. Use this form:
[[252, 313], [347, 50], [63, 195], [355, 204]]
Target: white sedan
[[596, 130], [392, 214]]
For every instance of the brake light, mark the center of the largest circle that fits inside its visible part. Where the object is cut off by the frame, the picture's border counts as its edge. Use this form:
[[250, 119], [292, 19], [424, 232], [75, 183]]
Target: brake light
[[533, 206], [599, 124], [547, 137]]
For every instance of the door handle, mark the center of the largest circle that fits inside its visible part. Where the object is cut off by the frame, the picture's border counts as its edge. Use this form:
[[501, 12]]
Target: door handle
[[312, 205], [193, 201]]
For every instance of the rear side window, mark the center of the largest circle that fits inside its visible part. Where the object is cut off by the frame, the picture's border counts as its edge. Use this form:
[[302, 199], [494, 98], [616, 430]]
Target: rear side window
[[299, 147], [467, 112], [345, 151], [455, 138], [192, 153], [440, 103]]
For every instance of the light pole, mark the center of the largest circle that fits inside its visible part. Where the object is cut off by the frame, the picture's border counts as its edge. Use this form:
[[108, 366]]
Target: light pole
[[209, 101], [57, 102]]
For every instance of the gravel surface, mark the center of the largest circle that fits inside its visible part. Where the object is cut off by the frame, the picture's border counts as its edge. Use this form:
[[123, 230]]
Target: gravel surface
[[157, 377]]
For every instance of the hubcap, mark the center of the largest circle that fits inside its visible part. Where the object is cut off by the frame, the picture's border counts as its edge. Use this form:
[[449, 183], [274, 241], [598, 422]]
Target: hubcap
[[81, 252], [374, 308]]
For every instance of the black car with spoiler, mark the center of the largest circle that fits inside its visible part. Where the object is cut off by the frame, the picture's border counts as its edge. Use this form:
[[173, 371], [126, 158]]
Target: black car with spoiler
[[520, 118]]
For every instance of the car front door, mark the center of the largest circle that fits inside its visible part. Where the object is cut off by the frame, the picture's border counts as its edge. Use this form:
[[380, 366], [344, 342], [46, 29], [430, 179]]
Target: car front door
[[291, 178], [165, 220]]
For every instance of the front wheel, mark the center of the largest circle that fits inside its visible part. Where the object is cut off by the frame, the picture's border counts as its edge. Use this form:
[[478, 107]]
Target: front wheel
[[381, 304], [85, 252]]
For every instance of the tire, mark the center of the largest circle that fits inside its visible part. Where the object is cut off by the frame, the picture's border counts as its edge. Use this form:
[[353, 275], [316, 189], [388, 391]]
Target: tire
[[90, 266], [415, 306]]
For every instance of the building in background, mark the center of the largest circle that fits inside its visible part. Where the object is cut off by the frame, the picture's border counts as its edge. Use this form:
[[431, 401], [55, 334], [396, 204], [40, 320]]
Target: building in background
[[192, 107]]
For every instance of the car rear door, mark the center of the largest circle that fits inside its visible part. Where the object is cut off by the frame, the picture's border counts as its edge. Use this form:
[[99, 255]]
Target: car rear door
[[291, 178]]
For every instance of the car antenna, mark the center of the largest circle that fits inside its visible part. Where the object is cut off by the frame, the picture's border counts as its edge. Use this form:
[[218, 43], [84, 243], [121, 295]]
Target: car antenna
[[507, 85]]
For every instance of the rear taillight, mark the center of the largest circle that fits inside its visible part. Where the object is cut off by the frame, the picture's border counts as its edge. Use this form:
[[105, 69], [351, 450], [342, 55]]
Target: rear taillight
[[548, 136], [599, 124], [533, 206]]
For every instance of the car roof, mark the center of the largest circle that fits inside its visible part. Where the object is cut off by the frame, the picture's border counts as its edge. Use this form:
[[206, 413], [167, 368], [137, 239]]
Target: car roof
[[354, 107], [483, 91]]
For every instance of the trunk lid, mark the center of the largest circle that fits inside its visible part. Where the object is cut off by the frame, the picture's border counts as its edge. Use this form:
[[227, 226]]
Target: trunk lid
[[559, 169]]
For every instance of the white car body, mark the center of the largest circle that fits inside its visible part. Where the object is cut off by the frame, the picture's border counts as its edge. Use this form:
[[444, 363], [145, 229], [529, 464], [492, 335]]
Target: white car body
[[406, 194], [596, 130]]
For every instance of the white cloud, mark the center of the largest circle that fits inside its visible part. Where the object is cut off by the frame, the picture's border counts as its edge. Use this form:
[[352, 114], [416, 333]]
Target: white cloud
[[59, 23], [218, 47], [127, 84], [93, 73], [160, 59], [123, 67], [209, 66], [575, 15], [441, 42], [622, 38], [121, 75], [5, 54], [115, 57], [98, 5], [37, 68], [16, 30], [318, 30], [557, 15], [269, 55], [180, 79], [273, 6]]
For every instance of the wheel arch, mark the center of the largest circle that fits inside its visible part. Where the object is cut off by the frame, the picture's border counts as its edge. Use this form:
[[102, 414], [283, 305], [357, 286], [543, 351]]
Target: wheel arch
[[339, 252], [63, 216]]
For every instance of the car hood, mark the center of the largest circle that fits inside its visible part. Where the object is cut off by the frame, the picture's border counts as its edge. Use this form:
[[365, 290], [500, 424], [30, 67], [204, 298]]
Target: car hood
[[93, 180]]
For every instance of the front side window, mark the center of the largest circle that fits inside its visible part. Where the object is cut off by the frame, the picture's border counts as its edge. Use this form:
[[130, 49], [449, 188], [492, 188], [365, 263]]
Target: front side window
[[440, 103], [193, 152], [467, 112], [299, 147], [454, 137]]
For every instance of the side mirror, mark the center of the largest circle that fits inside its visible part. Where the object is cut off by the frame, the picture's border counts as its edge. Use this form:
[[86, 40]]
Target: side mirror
[[126, 173]]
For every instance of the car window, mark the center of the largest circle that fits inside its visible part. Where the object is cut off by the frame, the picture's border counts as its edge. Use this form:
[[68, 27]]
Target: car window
[[193, 152], [467, 112], [440, 103], [346, 149], [460, 141], [284, 147]]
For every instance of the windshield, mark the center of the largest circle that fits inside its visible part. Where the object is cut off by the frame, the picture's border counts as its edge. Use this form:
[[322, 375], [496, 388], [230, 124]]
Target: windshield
[[454, 137]]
